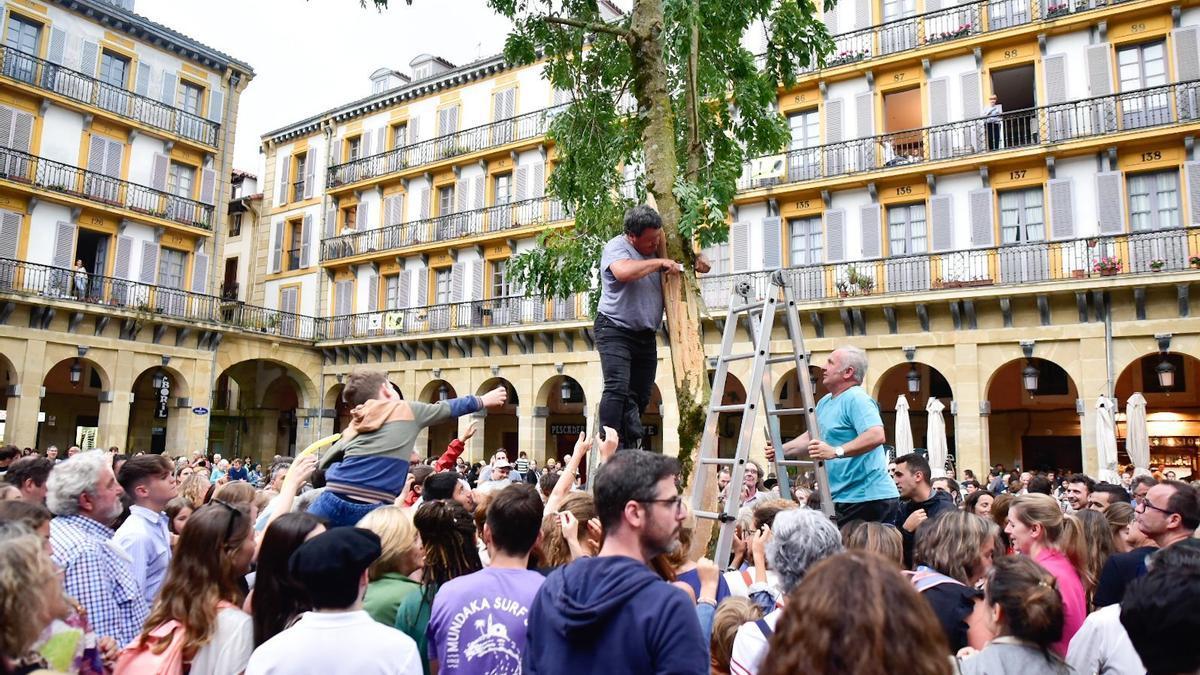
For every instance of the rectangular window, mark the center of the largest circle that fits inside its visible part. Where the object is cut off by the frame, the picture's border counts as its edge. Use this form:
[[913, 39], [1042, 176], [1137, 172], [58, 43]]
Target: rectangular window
[[235, 224], [445, 200], [1022, 218], [23, 36], [353, 148], [190, 98], [114, 69], [719, 258], [181, 180], [500, 285], [391, 285], [1143, 65], [1153, 200], [400, 135], [906, 229], [298, 177], [349, 218], [502, 188], [171, 264], [441, 286], [295, 244], [806, 129], [807, 247]]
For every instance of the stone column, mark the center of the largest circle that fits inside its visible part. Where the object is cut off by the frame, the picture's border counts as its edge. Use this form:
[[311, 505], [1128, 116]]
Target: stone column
[[25, 401], [114, 418], [970, 431], [477, 446], [1093, 384]]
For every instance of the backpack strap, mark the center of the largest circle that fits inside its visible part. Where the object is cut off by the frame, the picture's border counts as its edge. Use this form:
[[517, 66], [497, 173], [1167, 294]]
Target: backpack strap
[[764, 627], [925, 578]]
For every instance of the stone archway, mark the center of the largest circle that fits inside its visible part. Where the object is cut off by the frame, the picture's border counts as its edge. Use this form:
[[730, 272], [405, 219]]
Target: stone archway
[[1172, 414], [70, 410], [1037, 429], [439, 435], [788, 395], [9, 382], [929, 383], [500, 427], [264, 408], [157, 423], [565, 416]]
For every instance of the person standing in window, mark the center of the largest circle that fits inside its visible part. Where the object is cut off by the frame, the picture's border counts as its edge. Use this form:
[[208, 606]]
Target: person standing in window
[[994, 122], [81, 280]]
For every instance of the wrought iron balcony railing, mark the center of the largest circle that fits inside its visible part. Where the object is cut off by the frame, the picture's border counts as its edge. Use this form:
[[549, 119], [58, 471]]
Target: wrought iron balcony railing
[[56, 283], [30, 70], [947, 25], [1016, 264], [469, 315], [46, 174], [491, 135], [444, 228], [1044, 125]]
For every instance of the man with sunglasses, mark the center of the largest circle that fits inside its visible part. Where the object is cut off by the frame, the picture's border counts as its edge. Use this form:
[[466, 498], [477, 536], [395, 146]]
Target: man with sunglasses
[[1169, 513]]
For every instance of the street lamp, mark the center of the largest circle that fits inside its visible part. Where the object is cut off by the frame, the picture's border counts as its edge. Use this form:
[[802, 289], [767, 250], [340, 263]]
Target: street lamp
[[76, 373], [1166, 374], [443, 392], [914, 380], [1029, 376], [565, 390]]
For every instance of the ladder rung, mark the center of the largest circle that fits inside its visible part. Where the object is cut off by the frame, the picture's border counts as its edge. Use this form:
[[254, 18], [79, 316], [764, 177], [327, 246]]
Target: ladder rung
[[782, 359], [739, 309], [713, 515], [795, 462], [739, 357], [783, 412], [737, 407], [718, 460]]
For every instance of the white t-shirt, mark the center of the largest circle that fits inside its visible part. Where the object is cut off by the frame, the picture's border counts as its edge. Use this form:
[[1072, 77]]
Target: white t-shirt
[[231, 645], [1102, 646], [363, 647], [750, 646]]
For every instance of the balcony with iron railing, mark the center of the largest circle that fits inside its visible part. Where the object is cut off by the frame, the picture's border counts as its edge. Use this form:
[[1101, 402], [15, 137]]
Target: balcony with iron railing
[[106, 294], [1012, 265], [1090, 118], [499, 218], [947, 25], [484, 137], [470, 315], [29, 70], [55, 177]]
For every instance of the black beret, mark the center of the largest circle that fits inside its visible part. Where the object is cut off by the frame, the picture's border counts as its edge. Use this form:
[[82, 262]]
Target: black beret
[[335, 557]]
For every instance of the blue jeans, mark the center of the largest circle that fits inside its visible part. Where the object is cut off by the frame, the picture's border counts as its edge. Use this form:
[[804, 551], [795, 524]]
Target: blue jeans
[[340, 512]]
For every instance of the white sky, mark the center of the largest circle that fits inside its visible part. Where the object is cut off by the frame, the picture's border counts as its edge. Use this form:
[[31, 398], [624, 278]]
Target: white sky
[[312, 55]]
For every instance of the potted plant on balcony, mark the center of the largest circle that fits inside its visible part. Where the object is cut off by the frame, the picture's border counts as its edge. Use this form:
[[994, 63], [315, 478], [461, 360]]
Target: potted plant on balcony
[[1157, 265], [1107, 266], [1194, 261], [1058, 9], [847, 56]]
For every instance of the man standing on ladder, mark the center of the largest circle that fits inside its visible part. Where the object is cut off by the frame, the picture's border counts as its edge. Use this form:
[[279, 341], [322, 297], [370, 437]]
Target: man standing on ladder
[[849, 421], [627, 320]]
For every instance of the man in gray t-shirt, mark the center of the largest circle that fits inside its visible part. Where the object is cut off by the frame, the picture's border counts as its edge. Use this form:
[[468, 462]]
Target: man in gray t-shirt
[[630, 311]]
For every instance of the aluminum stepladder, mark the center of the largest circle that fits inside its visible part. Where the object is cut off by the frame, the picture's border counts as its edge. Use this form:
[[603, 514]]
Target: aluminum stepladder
[[759, 318]]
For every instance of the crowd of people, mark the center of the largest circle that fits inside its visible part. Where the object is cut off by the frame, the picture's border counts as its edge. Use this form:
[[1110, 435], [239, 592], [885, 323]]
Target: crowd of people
[[376, 560]]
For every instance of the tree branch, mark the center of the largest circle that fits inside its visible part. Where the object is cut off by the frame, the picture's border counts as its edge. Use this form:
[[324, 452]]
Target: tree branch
[[590, 25]]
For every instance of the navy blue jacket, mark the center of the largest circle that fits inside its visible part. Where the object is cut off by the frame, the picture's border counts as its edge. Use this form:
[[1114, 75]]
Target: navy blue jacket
[[613, 615]]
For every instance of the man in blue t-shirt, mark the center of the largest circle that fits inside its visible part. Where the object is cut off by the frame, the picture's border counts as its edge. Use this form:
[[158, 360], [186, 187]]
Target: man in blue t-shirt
[[852, 443]]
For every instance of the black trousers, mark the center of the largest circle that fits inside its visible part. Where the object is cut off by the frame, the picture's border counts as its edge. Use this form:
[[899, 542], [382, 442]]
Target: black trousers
[[879, 511], [628, 360]]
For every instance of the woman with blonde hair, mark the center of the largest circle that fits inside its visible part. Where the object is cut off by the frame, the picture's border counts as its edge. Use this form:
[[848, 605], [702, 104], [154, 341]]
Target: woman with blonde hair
[[881, 538], [31, 596], [953, 555], [1039, 530], [1126, 534], [203, 590], [731, 613], [558, 549], [194, 488], [402, 555]]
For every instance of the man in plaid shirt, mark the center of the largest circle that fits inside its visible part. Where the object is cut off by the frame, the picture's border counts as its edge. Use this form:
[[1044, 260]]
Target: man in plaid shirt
[[84, 495]]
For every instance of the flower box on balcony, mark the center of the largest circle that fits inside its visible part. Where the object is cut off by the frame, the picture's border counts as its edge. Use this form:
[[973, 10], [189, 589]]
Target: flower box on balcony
[[847, 57], [959, 32], [1058, 10], [967, 283]]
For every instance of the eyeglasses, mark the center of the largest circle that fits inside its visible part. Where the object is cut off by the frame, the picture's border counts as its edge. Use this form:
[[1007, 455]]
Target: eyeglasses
[[234, 514], [1145, 503], [675, 502]]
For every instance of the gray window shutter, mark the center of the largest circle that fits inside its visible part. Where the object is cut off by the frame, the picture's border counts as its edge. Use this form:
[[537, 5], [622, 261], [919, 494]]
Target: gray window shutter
[[862, 14], [443, 126], [933, 5], [143, 80], [208, 186], [149, 269], [330, 221], [480, 190], [87, 60], [216, 99], [373, 293], [96, 155], [537, 181], [833, 120], [389, 210], [200, 271], [158, 174], [22, 132], [276, 247], [1055, 67], [341, 297], [414, 130], [307, 239], [122, 261], [6, 123], [168, 88], [1187, 53], [982, 231], [362, 216], [939, 102], [1062, 208], [462, 194], [310, 172], [739, 244], [772, 236], [114, 154], [381, 139], [424, 203], [457, 271], [1098, 69], [288, 301], [477, 279], [10, 235], [364, 145], [1193, 192], [58, 42], [1110, 206], [64, 245], [404, 289], [972, 95], [835, 235], [941, 222], [521, 184], [831, 22], [422, 298], [452, 117], [870, 221], [864, 105]]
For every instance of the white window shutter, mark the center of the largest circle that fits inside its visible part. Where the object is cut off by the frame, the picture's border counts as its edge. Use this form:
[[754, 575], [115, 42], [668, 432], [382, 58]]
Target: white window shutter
[[1110, 205], [1055, 69], [477, 272], [284, 171], [414, 130], [862, 14], [462, 190], [538, 181], [939, 101], [972, 95], [200, 271], [167, 94], [216, 101], [835, 235], [58, 43], [121, 263], [307, 238], [1187, 53], [10, 235], [1062, 208], [1099, 71], [833, 120], [208, 186], [149, 271], [480, 189], [457, 271], [982, 230], [422, 298], [64, 245], [870, 220], [96, 147], [864, 105], [276, 247], [739, 243], [331, 214], [310, 172], [941, 222], [424, 203], [404, 289], [1193, 192], [373, 293], [772, 243], [87, 60], [381, 135], [363, 217], [521, 183], [22, 132]]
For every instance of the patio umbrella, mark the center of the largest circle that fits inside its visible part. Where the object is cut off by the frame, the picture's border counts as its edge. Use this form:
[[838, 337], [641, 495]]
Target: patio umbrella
[[935, 438], [1137, 437], [904, 440], [1106, 440]]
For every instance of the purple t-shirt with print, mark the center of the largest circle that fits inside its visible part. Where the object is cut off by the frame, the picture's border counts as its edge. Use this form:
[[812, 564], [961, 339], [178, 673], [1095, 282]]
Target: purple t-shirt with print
[[478, 621]]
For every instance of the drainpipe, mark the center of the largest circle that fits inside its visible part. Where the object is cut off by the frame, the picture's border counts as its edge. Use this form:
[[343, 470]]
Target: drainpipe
[[1108, 346]]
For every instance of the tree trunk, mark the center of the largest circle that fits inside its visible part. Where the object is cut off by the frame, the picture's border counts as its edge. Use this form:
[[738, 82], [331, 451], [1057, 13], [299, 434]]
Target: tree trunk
[[681, 293]]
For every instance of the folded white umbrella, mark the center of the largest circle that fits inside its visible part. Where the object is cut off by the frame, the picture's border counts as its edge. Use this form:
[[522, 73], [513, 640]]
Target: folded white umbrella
[[935, 438], [1106, 440], [1137, 436]]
